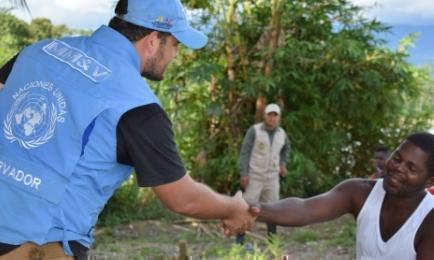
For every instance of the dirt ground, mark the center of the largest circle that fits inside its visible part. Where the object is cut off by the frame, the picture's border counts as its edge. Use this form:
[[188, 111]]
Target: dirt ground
[[163, 240]]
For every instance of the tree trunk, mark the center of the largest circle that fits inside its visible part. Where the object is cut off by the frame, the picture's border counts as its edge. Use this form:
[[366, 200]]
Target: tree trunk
[[270, 42]]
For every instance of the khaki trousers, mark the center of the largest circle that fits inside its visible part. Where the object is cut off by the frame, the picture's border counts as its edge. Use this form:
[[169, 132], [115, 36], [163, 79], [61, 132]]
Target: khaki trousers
[[30, 251], [262, 189]]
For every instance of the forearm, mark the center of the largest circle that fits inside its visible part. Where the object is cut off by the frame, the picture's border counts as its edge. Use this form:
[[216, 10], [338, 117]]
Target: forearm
[[194, 199], [244, 164], [207, 204], [285, 212], [285, 152], [324, 207]]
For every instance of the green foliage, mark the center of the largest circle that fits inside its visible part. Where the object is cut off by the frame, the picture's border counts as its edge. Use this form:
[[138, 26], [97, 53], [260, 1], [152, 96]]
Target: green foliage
[[161, 240], [123, 206], [42, 28], [238, 252], [16, 34], [344, 236], [303, 236], [342, 91], [275, 246]]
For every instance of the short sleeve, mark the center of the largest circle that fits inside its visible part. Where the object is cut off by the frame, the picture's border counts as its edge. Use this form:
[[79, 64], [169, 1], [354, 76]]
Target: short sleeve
[[145, 140]]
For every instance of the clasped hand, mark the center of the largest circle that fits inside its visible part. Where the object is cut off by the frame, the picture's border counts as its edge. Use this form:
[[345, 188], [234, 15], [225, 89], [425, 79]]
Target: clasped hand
[[242, 218]]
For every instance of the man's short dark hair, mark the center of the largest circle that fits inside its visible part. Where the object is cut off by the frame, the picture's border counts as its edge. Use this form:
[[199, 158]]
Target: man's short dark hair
[[131, 31], [424, 141], [382, 149]]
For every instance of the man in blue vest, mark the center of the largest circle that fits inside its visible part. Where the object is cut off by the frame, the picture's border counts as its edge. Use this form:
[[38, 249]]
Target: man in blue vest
[[77, 118]]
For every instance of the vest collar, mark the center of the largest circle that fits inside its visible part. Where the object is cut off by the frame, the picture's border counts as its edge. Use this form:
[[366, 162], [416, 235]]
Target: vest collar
[[117, 43], [263, 127]]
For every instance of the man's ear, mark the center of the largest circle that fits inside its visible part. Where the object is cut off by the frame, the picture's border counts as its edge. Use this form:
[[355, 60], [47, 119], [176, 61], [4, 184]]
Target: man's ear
[[430, 182], [148, 45]]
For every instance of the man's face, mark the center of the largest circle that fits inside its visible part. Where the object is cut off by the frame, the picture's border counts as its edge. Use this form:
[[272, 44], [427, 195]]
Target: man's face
[[272, 120], [379, 160], [156, 65], [406, 171]]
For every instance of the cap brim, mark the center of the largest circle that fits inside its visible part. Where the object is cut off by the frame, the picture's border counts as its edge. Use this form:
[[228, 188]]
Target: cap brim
[[191, 38], [272, 111]]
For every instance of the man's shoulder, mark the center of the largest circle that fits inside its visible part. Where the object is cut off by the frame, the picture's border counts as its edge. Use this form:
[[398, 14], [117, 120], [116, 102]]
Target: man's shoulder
[[142, 113], [358, 189], [359, 185], [252, 129], [282, 130]]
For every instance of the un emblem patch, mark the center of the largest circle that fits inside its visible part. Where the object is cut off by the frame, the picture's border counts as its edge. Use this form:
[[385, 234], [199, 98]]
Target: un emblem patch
[[34, 114]]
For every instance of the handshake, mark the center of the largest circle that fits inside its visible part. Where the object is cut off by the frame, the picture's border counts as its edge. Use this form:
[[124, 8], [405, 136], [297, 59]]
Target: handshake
[[240, 219]]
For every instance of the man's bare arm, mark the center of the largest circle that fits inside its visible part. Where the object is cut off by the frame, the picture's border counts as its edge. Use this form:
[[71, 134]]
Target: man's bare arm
[[346, 197], [194, 199], [424, 247]]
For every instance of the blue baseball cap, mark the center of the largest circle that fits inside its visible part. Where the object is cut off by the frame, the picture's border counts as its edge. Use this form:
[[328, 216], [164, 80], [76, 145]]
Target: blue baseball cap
[[165, 16]]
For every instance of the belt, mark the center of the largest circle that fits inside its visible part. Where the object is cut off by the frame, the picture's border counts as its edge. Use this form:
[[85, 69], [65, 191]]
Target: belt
[[31, 251]]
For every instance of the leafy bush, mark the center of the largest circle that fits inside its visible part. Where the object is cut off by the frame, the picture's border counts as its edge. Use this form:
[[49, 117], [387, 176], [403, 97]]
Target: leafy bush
[[342, 91]]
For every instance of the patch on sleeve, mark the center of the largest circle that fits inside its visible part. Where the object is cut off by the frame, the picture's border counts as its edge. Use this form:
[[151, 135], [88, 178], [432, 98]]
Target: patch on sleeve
[[77, 60]]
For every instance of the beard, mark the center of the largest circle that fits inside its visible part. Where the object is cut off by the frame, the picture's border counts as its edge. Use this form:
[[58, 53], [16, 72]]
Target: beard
[[152, 76], [153, 69], [400, 188], [151, 73]]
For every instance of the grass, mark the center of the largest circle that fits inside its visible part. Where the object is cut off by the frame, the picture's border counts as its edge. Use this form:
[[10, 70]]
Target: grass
[[159, 239], [305, 235], [136, 226]]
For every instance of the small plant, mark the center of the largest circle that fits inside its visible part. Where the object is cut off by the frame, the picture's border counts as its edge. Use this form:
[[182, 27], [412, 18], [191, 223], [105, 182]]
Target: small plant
[[275, 246], [242, 252], [304, 235], [346, 236]]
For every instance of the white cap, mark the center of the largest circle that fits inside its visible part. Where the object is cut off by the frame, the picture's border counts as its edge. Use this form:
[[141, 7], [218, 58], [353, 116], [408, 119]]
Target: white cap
[[272, 108]]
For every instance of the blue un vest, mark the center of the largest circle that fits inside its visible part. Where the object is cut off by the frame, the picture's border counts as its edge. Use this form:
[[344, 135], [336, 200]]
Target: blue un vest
[[52, 187]]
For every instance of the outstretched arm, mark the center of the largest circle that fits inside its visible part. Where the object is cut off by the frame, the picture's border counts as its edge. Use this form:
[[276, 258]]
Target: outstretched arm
[[425, 237], [346, 197], [194, 199]]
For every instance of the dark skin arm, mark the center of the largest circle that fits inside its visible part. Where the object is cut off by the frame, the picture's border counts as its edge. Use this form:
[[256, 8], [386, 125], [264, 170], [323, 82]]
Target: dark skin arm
[[346, 197], [424, 238]]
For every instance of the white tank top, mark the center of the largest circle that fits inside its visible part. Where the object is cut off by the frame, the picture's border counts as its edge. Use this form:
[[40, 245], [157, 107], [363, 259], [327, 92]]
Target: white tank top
[[400, 246]]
